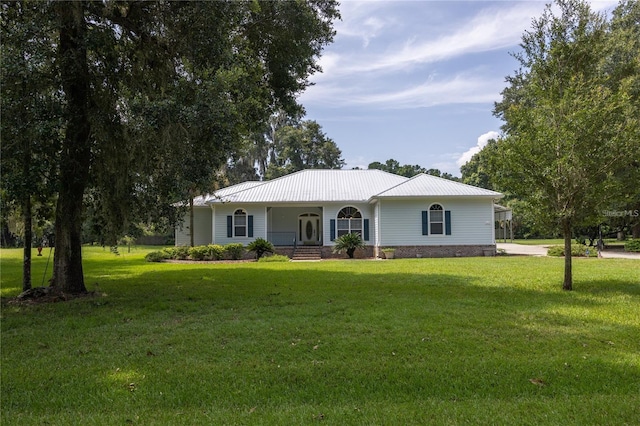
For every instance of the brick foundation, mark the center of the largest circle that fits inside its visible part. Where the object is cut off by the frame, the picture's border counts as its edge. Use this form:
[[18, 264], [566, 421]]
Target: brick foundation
[[403, 252], [442, 251], [284, 251]]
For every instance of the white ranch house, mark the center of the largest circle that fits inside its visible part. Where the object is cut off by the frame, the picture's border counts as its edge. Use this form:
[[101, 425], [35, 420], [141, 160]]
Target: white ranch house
[[422, 216]]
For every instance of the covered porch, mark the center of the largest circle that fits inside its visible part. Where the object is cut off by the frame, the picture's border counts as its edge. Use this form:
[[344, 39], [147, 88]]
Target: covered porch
[[295, 226]]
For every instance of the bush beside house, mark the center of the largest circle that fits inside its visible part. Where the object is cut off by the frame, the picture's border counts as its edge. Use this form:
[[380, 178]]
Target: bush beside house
[[233, 251]]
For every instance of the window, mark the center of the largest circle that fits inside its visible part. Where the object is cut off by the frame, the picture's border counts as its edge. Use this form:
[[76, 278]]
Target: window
[[349, 221], [240, 223], [436, 220]]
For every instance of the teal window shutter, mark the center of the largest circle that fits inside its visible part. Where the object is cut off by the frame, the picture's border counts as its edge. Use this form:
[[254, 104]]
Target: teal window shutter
[[365, 231], [447, 222], [250, 226], [425, 222], [332, 224], [229, 226]]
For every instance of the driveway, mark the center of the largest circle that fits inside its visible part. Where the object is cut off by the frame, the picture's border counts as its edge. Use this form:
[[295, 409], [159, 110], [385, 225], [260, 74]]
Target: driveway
[[521, 249]]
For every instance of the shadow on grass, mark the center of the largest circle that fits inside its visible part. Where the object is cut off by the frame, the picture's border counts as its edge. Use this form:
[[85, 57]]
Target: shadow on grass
[[609, 287]]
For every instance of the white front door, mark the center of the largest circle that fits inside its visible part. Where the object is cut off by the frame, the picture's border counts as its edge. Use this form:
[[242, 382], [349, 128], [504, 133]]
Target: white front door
[[308, 228]]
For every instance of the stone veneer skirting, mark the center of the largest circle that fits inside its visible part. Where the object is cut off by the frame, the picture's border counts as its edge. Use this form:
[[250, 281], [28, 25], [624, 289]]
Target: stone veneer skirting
[[406, 251]]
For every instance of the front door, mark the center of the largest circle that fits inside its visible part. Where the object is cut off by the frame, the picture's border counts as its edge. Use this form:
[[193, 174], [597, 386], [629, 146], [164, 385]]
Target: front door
[[309, 229]]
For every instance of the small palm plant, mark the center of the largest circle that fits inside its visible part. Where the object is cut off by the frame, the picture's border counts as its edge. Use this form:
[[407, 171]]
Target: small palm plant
[[348, 243], [260, 246]]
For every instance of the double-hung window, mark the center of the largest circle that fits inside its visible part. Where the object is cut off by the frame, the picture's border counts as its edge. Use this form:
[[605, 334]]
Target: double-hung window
[[436, 219], [240, 223], [349, 221]]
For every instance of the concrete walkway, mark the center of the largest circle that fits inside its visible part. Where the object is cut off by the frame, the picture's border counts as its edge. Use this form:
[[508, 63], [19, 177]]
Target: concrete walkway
[[521, 249]]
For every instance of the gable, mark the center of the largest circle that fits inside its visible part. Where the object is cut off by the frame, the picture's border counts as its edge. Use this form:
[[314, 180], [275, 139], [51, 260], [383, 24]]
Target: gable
[[423, 185]]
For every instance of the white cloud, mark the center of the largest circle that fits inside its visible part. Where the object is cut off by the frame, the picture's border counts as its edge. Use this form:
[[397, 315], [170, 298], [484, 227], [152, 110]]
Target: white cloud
[[491, 29], [461, 88], [401, 67], [466, 87], [482, 142], [363, 20]]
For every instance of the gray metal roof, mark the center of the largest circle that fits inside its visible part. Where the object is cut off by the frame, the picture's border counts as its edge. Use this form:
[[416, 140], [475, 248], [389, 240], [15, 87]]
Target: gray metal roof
[[223, 192], [341, 186], [314, 186], [423, 185], [200, 201]]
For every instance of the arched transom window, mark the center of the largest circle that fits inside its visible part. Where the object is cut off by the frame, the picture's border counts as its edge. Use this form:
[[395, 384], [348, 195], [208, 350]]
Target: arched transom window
[[349, 221]]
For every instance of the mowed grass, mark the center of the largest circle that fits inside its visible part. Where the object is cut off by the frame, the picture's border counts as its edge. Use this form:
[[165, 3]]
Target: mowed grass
[[414, 341]]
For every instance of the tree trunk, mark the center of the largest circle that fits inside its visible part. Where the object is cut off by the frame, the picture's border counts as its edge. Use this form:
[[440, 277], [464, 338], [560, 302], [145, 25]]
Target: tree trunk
[[568, 277], [28, 237], [76, 149], [635, 231]]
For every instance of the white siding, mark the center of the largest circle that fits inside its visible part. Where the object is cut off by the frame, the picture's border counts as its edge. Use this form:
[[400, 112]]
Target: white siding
[[259, 223], [471, 222], [202, 228]]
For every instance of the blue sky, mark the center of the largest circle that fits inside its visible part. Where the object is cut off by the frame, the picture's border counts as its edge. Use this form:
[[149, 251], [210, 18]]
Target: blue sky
[[416, 80]]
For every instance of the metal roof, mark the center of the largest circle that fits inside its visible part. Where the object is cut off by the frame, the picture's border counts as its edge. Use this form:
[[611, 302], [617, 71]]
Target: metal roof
[[200, 201], [314, 186], [343, 186], [423, 185], [223, 192]]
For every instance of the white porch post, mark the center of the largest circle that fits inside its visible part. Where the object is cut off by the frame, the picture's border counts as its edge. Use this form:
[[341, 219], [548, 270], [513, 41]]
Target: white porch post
[[266, 223], [213, 224]]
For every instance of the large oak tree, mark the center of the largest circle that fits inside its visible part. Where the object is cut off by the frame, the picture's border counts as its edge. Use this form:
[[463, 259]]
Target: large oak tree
[[156, 95]]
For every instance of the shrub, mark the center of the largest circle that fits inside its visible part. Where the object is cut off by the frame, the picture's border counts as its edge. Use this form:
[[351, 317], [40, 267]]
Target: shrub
[[156, 256], [260, 246], [169, 252], [632, 245], [348, 243], [274, 258], [181, 253], [234, 250], [199, 253], [216, 251], [577, 250]]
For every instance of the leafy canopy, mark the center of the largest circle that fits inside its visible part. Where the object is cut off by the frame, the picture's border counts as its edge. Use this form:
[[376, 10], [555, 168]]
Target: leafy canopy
[[569, 129], [144, 101]]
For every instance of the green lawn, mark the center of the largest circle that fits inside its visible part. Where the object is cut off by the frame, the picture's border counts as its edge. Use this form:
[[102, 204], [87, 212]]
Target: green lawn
[[541, 242], [413, 341]]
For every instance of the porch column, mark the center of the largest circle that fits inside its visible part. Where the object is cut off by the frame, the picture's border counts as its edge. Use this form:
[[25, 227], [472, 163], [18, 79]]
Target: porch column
[[213, 224]]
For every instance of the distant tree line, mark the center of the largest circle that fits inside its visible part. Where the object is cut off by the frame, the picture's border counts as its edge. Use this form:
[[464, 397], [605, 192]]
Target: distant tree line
[[409, 170]]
